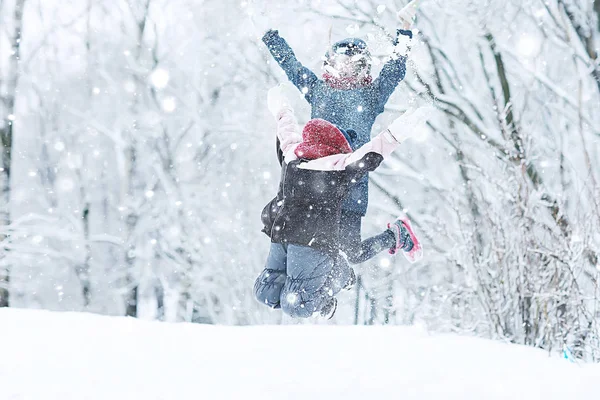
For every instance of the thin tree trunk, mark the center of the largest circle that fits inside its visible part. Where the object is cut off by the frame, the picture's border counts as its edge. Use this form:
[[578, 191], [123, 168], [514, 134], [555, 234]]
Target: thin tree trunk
[[130, 249], [372, 311], [132, 181], [597, 11], [185, 309], [159, 292], [83, 269], [357, 302], [6, 136], [131, 302], [587, 38], [389, 312]]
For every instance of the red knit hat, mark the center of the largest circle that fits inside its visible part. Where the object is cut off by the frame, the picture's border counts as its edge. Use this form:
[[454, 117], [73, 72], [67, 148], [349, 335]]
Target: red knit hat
[[321, 138]]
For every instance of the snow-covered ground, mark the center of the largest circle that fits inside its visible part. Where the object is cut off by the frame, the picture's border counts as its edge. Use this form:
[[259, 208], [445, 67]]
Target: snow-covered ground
[[52, 356]]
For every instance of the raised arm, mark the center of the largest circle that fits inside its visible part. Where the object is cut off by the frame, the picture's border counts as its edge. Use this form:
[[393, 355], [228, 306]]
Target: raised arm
[[394, 70], [288, 131], [303, 78]]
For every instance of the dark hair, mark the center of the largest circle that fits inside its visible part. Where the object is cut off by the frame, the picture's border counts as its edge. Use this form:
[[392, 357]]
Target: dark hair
[[279, 151]]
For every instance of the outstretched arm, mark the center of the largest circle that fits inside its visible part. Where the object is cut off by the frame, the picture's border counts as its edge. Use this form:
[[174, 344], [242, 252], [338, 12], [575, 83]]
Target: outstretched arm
[[368, 157], [288, 131], [393, 71], [303, 78], [360, 162]]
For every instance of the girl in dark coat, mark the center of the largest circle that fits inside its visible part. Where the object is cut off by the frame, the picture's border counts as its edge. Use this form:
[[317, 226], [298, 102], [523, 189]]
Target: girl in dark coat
[[305, 269]]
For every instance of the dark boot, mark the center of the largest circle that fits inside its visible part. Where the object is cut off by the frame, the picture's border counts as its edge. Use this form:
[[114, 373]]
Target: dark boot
[[329, 308], [351, 282]]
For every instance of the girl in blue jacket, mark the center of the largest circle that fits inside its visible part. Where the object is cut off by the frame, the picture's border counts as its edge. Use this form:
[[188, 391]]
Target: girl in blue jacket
[[349, 97]]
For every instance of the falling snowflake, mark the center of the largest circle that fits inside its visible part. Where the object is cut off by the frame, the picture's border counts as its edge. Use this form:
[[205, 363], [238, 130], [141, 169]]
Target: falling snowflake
[[528, 45], [174, 232], [129, 86], [65, 184], [352, 29], [159, 78], [168, 104]]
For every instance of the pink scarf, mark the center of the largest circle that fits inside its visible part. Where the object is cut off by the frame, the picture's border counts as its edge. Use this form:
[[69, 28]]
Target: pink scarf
[[346, 83]]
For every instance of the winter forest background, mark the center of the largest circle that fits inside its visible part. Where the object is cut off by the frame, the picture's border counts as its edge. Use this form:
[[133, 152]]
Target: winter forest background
[[138, 153]]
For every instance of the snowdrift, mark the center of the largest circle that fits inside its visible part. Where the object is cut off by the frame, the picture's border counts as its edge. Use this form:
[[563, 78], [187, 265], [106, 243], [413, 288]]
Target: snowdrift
[[51, 356]]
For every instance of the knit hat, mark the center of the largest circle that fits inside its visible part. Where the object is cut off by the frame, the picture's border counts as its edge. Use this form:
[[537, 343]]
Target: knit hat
[[353, 52], [321, 138]]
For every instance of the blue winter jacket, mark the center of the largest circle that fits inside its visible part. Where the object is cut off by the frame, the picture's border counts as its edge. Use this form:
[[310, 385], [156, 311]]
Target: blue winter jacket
[[349, 109]]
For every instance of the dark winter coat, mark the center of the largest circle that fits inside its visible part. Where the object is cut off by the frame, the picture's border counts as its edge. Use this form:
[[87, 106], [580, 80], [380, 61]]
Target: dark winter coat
[[354, 109], [319, 170], [308, 205]]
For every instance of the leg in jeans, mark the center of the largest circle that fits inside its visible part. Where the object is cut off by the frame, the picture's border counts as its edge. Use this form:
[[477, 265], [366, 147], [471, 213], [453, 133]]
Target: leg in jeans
[[311, 283], [350, 236], [356, 250], [268, 285]]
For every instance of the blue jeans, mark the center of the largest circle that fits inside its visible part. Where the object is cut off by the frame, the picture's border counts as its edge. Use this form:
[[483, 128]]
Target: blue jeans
[[357, 250], [300, 279]]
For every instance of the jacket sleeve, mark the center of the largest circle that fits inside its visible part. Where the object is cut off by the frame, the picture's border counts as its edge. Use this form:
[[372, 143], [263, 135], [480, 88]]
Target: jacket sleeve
[[288, 132], [392, 73], [368, 163], [368, 157], [365, 159], [382, 145], [303, 78]]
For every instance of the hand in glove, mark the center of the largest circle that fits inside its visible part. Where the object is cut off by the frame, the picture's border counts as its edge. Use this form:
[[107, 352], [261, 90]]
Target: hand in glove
[[410, 123], [407, 14], [402, 46]]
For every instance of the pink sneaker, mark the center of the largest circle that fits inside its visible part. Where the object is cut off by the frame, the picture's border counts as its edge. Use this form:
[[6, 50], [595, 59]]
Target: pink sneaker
[[406, 239]]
